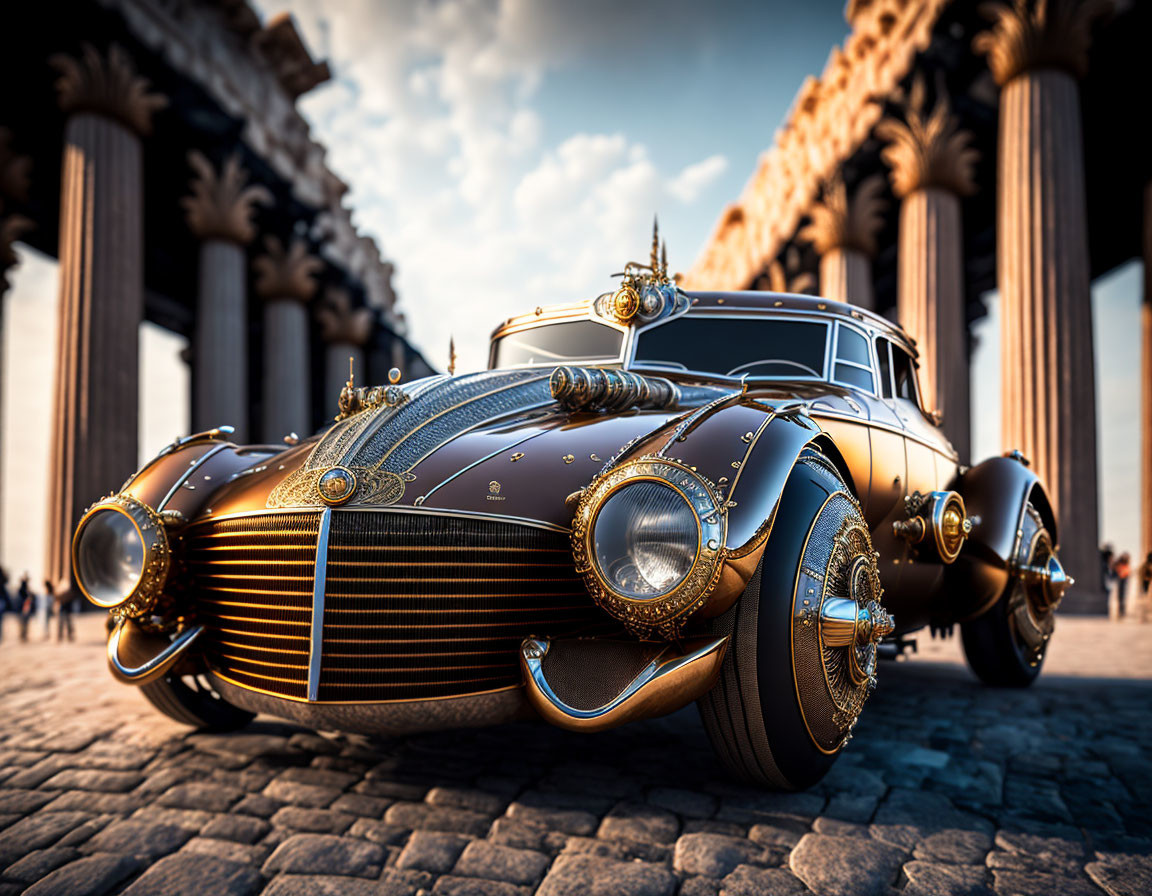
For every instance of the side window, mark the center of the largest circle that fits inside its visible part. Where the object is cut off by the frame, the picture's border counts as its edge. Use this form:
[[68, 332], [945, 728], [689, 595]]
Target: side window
[[904, 374], [853, 366], [882, 352]]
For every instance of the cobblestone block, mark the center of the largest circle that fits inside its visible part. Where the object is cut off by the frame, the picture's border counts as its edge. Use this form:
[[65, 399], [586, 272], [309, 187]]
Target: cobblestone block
[[712, 855], [568, 820], [377, 831], [87, 801], [297, 794], [315, 821], [22, 802], [845, 866], [450, 885], [207, 797], [323, 885], [358, 804], [81, 834], [189, 819], [396, 790], [776, 834], [460, 798], [618, 850], [195, 874], [749, 881], [435, 818], [318, 777], [431, 851], [39, 863], [90, 876], [493, 862], [240, 828], [931, 879], [955, 847], [508, 832], [637, 821], [699, 886], [1015, 883], [585, 875], [326, 854], [1122, 875], [139, 838], [258, 805], [36, 832], [246, 853]]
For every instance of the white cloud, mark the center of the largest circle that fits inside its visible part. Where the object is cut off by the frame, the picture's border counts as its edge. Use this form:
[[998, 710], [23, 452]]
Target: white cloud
[[433, 122]]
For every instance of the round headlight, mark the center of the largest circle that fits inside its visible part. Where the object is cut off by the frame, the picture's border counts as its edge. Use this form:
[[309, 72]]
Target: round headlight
[[120, 555], [646, 538]]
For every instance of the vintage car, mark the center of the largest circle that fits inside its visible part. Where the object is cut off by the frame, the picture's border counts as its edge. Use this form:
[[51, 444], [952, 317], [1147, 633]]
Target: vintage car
[[649, 499]]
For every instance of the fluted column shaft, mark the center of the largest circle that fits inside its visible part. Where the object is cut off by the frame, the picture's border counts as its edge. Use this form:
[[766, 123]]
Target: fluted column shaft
[[1049, 399], [95, 416], [846, 276], [336, 368], [930, 304], [221, 357], [1146, 381], [287, 381]]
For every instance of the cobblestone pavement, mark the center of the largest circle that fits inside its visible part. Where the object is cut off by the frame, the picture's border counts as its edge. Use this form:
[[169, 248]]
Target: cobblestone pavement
[[947, 788]]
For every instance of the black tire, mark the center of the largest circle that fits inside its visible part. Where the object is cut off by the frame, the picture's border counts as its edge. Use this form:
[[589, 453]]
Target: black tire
[[755, 716], [1006, 645], [190, 701]]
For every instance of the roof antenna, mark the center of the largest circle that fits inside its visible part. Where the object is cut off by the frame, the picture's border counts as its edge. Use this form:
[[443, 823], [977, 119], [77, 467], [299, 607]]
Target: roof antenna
[[655, 261], [451, 356], [664, 260]]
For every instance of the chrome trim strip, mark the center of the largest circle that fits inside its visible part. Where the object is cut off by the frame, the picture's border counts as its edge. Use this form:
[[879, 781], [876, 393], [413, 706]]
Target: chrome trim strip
[[475, 463], [188, 474], [317, 640], [157, 665], [465, 514], [658, 668]]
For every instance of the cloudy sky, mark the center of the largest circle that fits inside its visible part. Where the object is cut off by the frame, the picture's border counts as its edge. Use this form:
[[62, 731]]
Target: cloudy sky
[[510, 154]]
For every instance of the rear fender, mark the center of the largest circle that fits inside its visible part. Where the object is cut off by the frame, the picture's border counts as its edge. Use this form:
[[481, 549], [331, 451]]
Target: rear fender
[[996, 494]]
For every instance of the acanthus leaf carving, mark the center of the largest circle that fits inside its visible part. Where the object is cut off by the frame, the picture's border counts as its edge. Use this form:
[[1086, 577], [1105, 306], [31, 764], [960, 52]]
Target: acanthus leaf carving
[[1031, 34], [340, 323], [843, 222], [286, 273], [108, 85], [222, 204]]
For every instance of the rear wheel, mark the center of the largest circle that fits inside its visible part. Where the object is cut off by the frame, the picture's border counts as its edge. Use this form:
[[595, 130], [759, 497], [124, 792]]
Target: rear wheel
[[802, 655], [1006, 645], [189, 700]]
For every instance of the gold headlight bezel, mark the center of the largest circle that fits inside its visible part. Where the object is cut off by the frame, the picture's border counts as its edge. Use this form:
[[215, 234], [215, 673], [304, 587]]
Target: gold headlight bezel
[[142, 598], [664, 614]]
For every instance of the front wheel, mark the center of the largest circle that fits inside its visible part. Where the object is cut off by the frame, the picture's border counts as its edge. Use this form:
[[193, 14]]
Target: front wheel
[[190, 701], [802, 652], [1006, 645]]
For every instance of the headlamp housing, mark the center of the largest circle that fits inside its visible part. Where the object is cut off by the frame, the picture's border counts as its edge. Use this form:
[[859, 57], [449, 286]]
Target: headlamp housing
[[121, 555], [648, 539]]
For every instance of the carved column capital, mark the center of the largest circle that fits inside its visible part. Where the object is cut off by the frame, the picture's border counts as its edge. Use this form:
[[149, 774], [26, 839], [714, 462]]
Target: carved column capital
[[787, 276], [928, 149], [1031, 34], [340, 323], [107, 85], [222, 204], [286, 273], [843, 222]]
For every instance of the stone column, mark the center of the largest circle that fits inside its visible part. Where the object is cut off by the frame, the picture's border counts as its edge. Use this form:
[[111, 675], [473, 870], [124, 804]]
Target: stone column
[[286, 281], [1146, 381], [932, 167], [345, 331], [1036, 52], [219, 213], [843, 230], [101, 252]]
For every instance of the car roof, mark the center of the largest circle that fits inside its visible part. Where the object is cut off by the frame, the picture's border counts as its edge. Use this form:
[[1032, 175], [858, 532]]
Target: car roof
[[734, 300]]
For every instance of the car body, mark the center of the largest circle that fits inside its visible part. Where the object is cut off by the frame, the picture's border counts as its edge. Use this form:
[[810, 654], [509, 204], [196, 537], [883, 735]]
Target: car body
[[574, 534]]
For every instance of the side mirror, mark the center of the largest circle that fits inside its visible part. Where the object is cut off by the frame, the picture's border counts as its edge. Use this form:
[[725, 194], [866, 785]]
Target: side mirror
[[936, 416]]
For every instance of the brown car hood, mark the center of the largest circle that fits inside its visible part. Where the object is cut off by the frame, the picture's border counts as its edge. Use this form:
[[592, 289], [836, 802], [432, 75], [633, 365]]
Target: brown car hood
[[488, 442]]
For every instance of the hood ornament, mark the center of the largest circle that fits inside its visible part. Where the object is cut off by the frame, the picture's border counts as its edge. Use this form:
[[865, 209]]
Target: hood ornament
[[354, 399], [647, 292]]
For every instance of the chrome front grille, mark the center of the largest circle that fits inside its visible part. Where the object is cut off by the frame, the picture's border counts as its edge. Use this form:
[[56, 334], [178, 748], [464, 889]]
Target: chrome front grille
[[253, 577], [416, 605]]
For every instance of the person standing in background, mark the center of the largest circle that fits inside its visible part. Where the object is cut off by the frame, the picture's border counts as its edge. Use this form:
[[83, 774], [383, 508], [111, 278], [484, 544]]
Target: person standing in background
[[1145, 583], [1106, 575], [64, 604], [1121, 570], [25, 605], [45, 603], [5, 599]]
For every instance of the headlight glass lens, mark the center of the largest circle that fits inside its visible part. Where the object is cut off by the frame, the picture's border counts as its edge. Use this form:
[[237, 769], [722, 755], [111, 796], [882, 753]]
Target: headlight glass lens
[[646, 538], [109, 557]]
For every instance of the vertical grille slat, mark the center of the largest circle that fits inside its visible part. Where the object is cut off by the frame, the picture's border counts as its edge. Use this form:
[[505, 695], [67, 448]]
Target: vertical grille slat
[[417, 606]]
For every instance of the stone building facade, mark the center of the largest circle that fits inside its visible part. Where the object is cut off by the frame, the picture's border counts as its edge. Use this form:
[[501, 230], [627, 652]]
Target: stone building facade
[[950, 148], [155, 148]]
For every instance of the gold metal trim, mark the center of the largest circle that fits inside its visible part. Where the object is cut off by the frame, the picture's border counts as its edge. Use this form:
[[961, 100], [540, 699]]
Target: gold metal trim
[[214, 673], [149, 526]]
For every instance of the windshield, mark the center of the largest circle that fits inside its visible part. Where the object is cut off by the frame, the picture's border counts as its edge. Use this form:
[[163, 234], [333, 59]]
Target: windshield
[[561, 343], [730, 346]]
